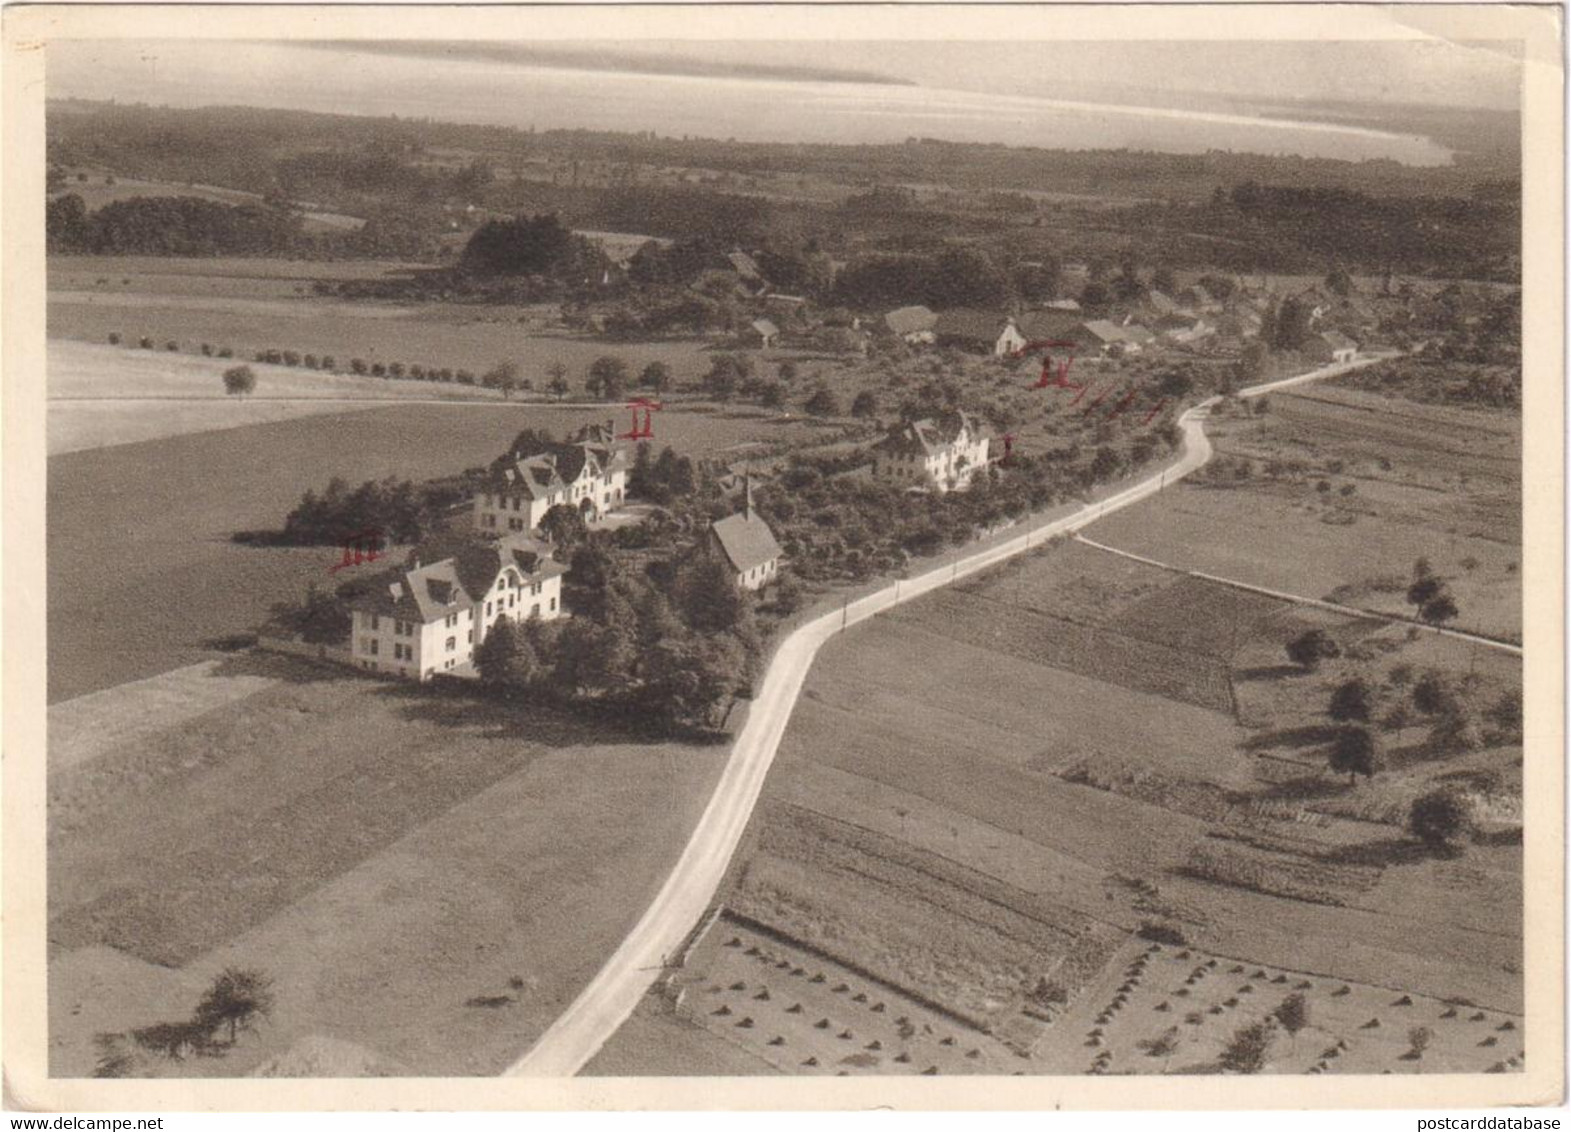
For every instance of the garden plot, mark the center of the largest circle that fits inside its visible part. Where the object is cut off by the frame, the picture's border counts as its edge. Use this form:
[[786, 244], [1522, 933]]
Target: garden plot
[[1177, 1009]]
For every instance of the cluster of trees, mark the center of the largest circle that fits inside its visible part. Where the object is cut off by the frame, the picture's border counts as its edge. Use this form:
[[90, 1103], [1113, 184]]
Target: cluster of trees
[[663, 479], [527, 245], [953, 277], [235, 1002], [672, 652], [398, 510], [170, 225]]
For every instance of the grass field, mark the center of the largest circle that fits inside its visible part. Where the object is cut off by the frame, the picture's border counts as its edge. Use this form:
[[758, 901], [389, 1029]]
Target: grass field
[[258, 304], [143, 575], [388, 854], [1444, 484], [101, 395], [979, 798]]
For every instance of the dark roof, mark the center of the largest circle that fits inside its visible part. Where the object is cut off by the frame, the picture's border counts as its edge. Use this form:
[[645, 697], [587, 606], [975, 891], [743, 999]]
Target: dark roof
[[928, 435], [746, 540], [910, 320], [1338, 341], [1049, 324], [445, 574], [971, 325]]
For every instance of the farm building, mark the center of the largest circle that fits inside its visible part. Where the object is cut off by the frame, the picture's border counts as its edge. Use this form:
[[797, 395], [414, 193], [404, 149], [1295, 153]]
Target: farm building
[[588, 472], [1332, 346], [912, 324], [1101, 336], [762, 333], [1050, 325], [428, 616], [940, 454], [745, 542], [978, 331]]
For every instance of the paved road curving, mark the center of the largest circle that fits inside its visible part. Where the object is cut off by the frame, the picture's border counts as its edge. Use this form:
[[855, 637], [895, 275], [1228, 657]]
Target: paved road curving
[[614, 992]]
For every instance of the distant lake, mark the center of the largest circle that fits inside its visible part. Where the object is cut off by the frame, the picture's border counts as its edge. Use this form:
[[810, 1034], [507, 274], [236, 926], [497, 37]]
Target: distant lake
[[196, 74]]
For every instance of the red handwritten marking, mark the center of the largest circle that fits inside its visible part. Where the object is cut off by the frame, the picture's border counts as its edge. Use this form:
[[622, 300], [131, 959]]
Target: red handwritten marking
[[1095, 403], [647, 432], [1009, 447], [1159, 406], [1079, 395], [362, 546], [1123, 404]]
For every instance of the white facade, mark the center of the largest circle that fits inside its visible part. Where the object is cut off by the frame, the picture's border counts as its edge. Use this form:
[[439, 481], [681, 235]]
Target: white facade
[[939, 467], [408, 648], [519, 509]]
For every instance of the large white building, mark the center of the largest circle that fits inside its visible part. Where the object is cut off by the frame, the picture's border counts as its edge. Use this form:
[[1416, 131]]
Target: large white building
[[588, 472], [429, 616], [940, 454]]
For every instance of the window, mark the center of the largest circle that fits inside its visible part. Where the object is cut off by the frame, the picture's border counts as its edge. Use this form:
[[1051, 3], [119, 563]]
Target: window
[[488, 609], [535, 612], [375, 646], [553, 605], [510, 601], [452, 643], [471, 636], [376, 622]]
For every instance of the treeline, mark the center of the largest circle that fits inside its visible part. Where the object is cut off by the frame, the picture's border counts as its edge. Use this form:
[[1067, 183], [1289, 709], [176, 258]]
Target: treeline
[[399, 511], [168, 226]]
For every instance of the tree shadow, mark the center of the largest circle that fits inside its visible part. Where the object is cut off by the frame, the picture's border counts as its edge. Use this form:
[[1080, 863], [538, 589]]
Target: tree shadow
[[1269, 672], [286, 667], [1307, 736], [1379, 853]]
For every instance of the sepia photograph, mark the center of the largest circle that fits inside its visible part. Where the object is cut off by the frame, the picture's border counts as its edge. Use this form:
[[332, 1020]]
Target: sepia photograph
[[579, 548]]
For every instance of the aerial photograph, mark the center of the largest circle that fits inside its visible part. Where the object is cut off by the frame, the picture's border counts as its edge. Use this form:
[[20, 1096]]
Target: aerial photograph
[[651, 558]]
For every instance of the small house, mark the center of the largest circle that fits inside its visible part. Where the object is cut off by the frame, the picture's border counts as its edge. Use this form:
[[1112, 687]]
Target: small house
[[762, 333], [746, 544], [980, 332]]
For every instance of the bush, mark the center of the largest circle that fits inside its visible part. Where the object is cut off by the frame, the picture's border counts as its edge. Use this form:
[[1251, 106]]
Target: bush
[[464, 377], [291, 358], [1247, 1049], [310, 361], [207, 350], [114, 339], [378, 369], [1162, 933], [225, 352], [1440, 817], [395, 369], [239, 379], [172, 346], [445, 374], [417, 372], [273, 357], [329, 364], [147, 343]]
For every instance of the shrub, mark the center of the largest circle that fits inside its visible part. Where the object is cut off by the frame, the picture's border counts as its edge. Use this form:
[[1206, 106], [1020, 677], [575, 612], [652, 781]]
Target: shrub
[[1247, 1049], [417, 372], [1162, 933], [147, 343], [1440, 817], [329, 363], [396, 370], [114, 339], [358, 366], [464, 377], [274, 357], [445, 374], [378, 369], [225, 352], [239, 379], [171, 345], [207, 350], [310, 361], [291, 358]]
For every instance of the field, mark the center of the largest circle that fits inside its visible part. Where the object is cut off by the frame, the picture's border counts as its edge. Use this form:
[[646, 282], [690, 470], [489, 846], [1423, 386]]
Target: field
[[143, 576], [105, 395], [1444, 484], [393, 857], [252, 305], [1086, 747]]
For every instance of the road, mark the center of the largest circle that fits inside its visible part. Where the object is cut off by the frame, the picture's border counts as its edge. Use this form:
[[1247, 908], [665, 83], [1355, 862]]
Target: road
[[614, 992]]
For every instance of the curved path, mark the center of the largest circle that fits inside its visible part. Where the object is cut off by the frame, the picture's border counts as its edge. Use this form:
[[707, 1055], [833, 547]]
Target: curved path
[[614, 992]]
